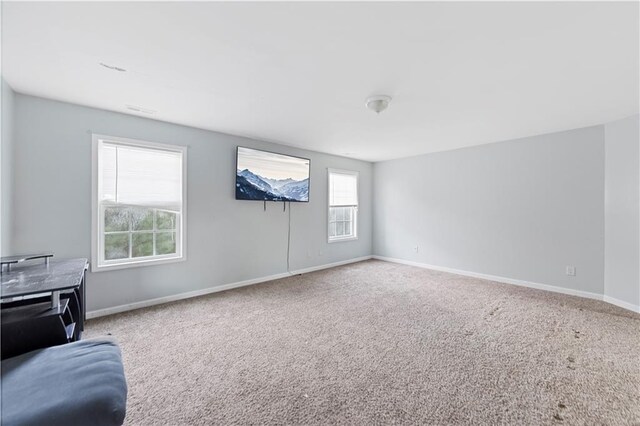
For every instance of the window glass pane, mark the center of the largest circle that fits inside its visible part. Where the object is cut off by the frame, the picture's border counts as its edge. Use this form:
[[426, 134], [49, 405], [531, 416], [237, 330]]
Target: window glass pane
[[141, 219], [142, 244], [116, 219], [165, 242], [343, 201], [332, 214], [166, 220], [116, 246]]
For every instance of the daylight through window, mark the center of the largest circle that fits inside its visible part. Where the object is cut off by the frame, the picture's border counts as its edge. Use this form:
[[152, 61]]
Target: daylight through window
[[139, 206], [343, 205]]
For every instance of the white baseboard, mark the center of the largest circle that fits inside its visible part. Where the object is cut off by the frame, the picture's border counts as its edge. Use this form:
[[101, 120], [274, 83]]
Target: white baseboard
[[522, 283], [188, 295], [622, 304], [175, 297], [330, 265]]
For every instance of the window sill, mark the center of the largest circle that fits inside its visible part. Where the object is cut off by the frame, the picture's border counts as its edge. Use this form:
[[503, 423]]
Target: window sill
[[135, 264], [340, 240]]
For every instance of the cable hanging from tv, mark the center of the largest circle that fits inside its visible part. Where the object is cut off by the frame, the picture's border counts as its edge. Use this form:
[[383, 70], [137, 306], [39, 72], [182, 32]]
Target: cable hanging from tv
[[284, 206]]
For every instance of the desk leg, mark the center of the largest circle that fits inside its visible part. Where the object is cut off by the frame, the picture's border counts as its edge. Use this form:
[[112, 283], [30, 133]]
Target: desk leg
[[55, 300]]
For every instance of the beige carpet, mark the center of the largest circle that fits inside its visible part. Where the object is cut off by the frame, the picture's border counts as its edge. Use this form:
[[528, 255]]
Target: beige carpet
[[380, 343]]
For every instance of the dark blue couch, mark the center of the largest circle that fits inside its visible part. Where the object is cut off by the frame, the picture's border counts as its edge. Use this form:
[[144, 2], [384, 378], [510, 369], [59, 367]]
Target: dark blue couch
[[80, 383]]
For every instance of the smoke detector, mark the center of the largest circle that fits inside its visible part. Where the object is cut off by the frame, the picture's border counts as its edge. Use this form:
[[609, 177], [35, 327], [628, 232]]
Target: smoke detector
[[378, 103]]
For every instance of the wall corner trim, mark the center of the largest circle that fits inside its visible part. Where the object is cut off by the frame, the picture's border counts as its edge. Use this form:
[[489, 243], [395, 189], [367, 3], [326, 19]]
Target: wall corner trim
[[538, 286], [181, 296]]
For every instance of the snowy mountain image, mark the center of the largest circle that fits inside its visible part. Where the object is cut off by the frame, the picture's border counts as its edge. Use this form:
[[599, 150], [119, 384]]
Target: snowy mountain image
[[262, 175], [256, 180]]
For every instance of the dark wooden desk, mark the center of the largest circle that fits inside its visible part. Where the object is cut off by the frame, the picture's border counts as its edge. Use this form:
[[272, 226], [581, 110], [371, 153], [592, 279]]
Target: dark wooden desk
[[53, 277], [43, 304]]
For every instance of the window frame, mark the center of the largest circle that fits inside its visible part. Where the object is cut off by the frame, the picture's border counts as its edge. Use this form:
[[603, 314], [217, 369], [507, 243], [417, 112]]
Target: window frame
[[98, 263], [356, 210]]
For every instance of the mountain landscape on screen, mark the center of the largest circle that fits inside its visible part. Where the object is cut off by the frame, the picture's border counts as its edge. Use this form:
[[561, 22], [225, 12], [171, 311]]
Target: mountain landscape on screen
[[267, 176]]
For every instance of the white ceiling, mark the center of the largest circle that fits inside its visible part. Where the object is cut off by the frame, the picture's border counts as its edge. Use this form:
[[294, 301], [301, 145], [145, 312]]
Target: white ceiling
[[461, 74]]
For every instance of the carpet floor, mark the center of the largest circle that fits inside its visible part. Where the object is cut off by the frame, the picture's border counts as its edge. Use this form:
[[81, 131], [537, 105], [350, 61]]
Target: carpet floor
[[380, 343]]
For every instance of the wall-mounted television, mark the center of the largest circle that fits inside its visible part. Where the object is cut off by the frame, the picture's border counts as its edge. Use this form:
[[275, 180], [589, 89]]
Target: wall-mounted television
[[267, 176]]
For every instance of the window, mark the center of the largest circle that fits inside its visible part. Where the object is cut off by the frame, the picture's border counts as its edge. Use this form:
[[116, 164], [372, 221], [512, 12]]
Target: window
[[343, 205], [138, 203]]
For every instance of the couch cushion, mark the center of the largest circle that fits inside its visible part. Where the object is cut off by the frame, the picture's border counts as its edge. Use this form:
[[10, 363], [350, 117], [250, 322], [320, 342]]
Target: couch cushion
[[79, 383]]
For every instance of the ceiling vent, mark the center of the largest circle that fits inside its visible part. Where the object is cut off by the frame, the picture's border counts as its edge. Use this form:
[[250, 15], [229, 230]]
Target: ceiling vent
[[140, 109], [113, 67]]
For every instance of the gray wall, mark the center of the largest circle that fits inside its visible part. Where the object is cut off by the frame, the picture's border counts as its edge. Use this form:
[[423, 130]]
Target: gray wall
[[521, 209], [228, 240], [6, 176], [622, 210]]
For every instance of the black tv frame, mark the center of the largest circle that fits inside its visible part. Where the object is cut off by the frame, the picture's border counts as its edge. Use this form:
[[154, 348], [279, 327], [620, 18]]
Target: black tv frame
[[277, 153]]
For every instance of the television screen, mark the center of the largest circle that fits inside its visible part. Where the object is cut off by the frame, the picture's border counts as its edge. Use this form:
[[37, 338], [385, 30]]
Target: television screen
[[266, 176]]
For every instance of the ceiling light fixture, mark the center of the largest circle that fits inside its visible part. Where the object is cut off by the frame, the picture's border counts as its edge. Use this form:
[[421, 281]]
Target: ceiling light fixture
[[378, 103], [113, 67]]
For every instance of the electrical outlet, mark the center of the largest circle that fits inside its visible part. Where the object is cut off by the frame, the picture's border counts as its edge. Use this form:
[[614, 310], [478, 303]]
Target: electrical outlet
[[415, 248], [309, 253], [571, 271], [320, 253]]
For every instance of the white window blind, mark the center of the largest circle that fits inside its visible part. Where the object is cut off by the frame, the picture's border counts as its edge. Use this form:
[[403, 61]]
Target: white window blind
[[141, 176], [343, 189]]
